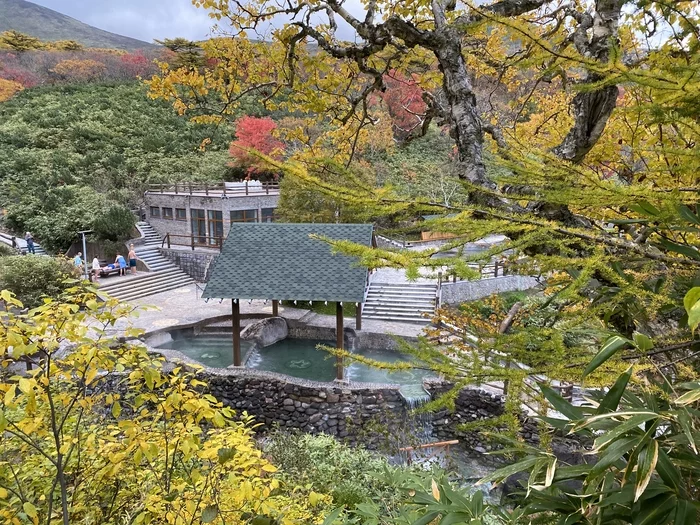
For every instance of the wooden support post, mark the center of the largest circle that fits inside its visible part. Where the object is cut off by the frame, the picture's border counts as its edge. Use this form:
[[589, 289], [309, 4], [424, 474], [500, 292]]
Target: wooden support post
[[246, 187], [339, 340], [236, 329], [358, 316], [275, 308]]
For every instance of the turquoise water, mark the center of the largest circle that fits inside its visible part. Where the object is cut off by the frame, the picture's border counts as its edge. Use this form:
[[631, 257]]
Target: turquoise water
[[210, 350], [300, 358]]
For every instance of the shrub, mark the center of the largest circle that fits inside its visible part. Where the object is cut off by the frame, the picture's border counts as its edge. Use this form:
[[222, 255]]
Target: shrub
[[115, 224], [6, 251], [32, 277], [350, 474]]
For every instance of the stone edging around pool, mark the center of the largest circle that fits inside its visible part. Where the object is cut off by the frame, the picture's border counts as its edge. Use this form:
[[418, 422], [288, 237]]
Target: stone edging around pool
[[347, 410], [296, 328]]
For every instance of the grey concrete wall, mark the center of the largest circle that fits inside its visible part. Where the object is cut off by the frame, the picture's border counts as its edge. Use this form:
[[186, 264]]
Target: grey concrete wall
[[454, 293], [174, 226], [196, 264]]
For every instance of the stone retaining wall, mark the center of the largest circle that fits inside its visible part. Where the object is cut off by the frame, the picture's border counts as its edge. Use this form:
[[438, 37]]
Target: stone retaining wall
[[455, 293], [342, 411], [197, 265], [473, 405]]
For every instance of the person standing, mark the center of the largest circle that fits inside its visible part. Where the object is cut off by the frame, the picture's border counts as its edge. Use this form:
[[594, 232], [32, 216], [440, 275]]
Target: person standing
[[30, 242], [132, 259], [96, 268], [122, 264], [78, 260]]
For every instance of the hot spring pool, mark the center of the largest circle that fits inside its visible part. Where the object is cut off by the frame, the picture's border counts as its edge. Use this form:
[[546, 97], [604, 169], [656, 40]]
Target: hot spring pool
[[300, 358]]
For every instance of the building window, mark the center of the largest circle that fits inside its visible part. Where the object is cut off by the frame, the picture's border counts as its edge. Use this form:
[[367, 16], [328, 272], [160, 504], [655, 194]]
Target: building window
[[244, 216], [216, 226], [199, 226], [155, 212], [267, 215], [180, 214], [168, 213]]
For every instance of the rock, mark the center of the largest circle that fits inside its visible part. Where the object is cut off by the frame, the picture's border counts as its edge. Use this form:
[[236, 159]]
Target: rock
[[266, 332]]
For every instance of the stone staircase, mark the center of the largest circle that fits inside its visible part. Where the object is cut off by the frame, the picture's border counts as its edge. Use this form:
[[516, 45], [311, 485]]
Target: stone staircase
[[163, 274], [404, 302]]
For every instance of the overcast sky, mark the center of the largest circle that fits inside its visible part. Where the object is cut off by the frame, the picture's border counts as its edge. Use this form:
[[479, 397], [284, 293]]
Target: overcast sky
[[149, 19], [142, 19]]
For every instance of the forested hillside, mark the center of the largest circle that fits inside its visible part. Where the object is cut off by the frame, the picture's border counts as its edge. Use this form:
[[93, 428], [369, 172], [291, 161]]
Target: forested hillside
[[67, 150]]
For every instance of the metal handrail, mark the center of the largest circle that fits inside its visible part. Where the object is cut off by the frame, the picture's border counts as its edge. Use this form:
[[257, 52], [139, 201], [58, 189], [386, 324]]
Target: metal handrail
[[193, 241]]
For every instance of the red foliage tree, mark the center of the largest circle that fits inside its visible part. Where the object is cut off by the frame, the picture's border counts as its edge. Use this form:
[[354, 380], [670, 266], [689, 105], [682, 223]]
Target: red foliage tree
[[404, 101], [254, 133], [135, 64]]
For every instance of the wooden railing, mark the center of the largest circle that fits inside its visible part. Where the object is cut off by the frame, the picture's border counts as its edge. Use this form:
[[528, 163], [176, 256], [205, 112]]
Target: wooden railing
[[193, 241], [215, 188]]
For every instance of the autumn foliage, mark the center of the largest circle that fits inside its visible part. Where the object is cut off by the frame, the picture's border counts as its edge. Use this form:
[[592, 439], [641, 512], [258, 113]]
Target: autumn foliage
[[80, 70], [28, 62], [403, 98], [254, 133], [8, 88]]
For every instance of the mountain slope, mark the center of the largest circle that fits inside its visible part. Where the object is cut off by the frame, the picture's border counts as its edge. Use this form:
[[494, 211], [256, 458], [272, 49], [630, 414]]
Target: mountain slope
[[47, 24]]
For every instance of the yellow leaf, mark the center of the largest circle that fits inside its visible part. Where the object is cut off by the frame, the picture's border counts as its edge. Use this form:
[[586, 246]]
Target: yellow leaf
[[29, 509], [25, 385], [436, 490]]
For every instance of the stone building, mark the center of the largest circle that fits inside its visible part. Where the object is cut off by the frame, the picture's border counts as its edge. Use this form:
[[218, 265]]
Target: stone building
[[202, 214]]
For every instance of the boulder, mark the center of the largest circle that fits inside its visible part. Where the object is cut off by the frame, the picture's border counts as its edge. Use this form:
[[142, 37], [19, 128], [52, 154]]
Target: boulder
[[266, 331]]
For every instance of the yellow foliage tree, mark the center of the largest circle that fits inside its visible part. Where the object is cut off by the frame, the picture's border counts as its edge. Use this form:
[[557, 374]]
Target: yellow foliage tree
[[81, 70], [98, 432], [8, 89]]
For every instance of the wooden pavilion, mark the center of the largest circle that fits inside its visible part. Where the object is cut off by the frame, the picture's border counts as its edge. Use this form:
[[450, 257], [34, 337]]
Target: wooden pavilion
[[289, 262]]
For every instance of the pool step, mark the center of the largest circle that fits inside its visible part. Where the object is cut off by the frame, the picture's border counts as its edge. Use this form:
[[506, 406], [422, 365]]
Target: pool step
[[402, 302]]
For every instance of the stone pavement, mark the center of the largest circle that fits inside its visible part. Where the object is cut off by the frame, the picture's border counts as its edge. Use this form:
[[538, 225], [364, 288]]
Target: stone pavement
[[185, 306]]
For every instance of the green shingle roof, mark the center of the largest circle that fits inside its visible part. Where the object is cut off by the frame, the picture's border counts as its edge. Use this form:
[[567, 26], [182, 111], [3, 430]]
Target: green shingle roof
[[281, 261]]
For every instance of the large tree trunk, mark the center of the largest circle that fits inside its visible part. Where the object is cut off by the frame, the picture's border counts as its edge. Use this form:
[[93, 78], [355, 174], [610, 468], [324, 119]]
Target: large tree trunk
[[591, 110], [465, 123]]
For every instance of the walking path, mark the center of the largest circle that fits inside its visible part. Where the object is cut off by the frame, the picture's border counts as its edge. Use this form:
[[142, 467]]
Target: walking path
[[184, 306]]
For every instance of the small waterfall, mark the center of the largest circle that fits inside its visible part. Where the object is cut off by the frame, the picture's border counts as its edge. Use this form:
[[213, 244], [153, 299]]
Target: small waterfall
[[420, 424], [414, 398], [350, 341]]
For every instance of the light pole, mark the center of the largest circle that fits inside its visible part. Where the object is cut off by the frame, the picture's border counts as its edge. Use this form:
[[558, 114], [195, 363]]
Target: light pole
[[85, 257]]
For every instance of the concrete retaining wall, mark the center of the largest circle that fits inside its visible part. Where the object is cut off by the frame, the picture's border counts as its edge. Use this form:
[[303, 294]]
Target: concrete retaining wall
[[196, 264], [454, 293]]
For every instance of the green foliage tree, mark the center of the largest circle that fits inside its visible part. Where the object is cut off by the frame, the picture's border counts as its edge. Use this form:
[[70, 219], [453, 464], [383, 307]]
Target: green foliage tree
[[114, 224], [100, 147], [102, 434], [32, 278], [188, 54]]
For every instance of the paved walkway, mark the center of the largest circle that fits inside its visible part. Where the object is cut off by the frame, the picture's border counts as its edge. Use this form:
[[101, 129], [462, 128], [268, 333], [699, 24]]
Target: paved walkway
[[185, 305]]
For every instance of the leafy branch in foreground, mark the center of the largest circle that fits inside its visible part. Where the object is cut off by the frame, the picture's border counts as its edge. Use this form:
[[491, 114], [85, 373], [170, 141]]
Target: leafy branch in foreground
[[98, 432]]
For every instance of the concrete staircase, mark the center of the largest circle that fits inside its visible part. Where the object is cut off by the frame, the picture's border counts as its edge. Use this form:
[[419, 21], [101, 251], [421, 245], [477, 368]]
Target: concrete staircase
[[22, 244], [163, 274], [404, 302]]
